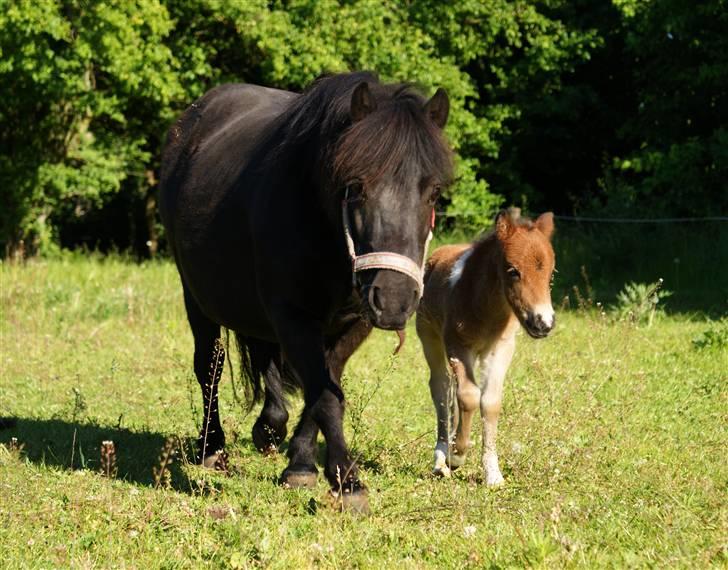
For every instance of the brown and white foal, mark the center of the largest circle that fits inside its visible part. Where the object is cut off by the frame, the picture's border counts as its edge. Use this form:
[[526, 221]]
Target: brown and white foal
[[475, 297]]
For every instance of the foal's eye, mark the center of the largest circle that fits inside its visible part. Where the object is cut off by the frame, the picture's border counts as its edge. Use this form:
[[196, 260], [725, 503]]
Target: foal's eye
[[513, 273], [434, 195]]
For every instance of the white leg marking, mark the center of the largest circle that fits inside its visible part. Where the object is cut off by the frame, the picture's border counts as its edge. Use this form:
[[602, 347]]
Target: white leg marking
[[495, 366], [441, 467]]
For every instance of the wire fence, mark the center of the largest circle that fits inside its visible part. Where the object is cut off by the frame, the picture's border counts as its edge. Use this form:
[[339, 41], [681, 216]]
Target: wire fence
[[590, 219]]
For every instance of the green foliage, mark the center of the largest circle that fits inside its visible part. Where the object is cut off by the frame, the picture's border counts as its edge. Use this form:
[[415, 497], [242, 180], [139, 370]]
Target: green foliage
[[618, 106], [638, 302], [87, 89], [713, 338], [675, 158], [90, 87]]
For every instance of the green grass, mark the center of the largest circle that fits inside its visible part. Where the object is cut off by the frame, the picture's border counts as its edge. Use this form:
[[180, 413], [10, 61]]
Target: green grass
[[612, 440]]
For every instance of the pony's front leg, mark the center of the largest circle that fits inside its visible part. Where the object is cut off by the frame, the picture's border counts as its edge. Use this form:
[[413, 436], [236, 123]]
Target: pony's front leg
[[302, 342], [494, 368], [301, 470]]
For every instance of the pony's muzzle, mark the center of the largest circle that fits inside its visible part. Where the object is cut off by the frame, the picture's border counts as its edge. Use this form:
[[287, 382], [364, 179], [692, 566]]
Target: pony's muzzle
[[392, 298]]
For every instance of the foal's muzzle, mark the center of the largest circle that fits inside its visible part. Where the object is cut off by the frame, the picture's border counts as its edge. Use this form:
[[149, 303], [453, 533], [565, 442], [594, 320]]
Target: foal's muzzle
[[539, 325]]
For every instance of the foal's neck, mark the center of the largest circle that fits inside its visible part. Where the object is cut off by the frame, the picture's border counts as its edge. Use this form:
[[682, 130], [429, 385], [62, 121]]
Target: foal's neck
[[489, 303]]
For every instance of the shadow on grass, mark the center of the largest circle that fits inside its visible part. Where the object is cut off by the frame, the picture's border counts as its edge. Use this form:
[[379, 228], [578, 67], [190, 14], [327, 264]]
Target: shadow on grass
[[70, 445]]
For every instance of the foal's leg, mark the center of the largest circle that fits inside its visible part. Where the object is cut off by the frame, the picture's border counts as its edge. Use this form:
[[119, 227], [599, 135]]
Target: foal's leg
[[442, 398], [205, 332], [468, 397], [494, 368]]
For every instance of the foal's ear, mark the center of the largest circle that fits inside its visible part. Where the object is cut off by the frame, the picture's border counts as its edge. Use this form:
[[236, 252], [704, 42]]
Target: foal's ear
[[545, 224], [438, 108], [503, 225], [362, 102]]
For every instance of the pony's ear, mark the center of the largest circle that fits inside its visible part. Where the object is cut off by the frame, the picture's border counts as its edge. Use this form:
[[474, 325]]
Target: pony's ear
[[503, 225], [545, 224], [438, 108], [362, 102]]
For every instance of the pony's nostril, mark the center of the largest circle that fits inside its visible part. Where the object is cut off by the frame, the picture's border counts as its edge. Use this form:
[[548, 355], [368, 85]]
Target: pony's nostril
[[374, 300], [410, 303]]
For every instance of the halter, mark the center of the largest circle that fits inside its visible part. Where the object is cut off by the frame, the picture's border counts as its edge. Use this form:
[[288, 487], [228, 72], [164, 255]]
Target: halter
[[384, 259]]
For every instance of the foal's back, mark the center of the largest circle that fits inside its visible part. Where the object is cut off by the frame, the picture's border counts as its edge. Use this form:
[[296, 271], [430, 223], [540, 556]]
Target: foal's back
[[438, 278]]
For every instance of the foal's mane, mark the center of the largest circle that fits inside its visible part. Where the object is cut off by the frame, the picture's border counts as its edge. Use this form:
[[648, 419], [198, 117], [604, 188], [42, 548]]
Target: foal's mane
[[388, 140]]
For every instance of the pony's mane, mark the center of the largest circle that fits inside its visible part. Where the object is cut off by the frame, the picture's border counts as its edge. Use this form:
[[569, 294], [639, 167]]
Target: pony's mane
[[320, 112], [388, 140], [397, 136]]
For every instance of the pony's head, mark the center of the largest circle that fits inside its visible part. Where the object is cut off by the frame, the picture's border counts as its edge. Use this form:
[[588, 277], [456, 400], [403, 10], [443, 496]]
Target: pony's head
[[527, 269], [389, 166]]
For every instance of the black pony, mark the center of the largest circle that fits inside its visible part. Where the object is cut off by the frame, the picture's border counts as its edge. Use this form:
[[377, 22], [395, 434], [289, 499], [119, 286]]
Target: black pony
[[299, 222]]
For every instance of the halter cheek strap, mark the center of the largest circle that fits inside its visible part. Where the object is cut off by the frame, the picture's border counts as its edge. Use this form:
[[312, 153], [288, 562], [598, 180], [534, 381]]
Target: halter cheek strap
[[385, 259]]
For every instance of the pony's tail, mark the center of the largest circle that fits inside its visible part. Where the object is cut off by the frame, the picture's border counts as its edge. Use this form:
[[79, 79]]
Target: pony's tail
[[260, 365]]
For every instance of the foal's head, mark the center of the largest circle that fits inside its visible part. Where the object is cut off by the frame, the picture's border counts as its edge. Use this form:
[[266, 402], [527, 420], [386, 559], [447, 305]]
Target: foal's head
[[527, 269], [391, 163]]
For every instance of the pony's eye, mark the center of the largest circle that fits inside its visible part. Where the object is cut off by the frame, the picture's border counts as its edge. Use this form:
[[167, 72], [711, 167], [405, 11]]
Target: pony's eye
[[355, 191], [513, 273], [434, 195]]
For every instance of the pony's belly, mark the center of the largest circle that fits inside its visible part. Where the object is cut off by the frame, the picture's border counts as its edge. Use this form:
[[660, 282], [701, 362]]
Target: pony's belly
[[224, 287]]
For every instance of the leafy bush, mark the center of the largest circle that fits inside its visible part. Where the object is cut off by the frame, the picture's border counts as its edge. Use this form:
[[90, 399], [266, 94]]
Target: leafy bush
[[713, 338], [638, 301], [88, 88]]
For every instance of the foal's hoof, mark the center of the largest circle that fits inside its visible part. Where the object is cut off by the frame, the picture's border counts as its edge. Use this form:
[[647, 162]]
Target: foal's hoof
[[441, 471], [455, 460], [494, 479], [266, 438], [354, 502], [295, 479]]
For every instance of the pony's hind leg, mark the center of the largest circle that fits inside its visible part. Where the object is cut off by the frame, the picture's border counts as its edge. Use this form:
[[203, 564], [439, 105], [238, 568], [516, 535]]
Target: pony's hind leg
[[208, 362], [269, 429], [494, 368]]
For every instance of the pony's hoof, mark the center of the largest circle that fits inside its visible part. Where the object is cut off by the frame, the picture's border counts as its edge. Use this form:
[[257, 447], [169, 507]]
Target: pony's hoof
[[217, 461], [354, 502], [299, 479], [266, 438]]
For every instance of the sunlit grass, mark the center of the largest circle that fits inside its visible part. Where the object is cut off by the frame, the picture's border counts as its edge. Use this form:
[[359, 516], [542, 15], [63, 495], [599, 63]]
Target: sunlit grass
[[612, 442]]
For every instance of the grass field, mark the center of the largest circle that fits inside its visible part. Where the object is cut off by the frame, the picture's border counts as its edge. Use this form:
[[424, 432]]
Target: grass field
[[613, 444]]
